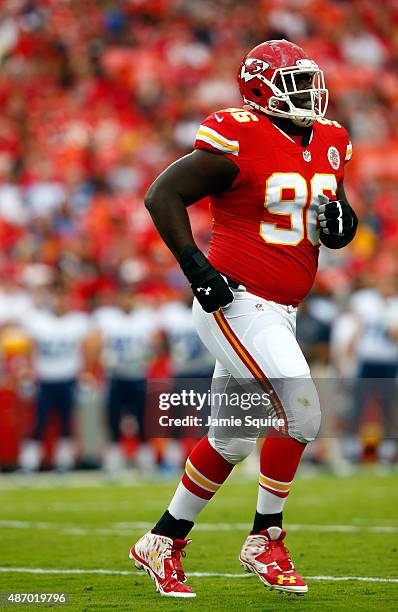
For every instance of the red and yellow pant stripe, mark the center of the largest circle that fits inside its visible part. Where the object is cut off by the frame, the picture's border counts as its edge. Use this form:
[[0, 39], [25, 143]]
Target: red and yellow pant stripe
[[251, 364]]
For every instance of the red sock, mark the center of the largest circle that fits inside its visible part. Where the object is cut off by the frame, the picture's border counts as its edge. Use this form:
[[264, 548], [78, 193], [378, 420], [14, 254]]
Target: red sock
[[279, 460], [205, 472]]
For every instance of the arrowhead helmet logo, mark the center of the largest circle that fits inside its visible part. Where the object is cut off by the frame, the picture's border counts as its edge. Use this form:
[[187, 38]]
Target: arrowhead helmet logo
[[252, 68]]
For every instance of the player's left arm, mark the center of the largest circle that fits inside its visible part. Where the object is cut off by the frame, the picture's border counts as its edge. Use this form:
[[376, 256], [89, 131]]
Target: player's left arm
[[337, 219]]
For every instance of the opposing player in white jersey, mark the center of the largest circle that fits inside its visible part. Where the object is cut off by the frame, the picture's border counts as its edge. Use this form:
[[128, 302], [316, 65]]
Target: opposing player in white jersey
[[190, 358], [126, 338], [60, 340], [192, 367], [375, 347]]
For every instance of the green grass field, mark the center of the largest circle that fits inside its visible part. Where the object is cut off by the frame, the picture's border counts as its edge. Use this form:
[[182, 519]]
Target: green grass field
[[339, 528]]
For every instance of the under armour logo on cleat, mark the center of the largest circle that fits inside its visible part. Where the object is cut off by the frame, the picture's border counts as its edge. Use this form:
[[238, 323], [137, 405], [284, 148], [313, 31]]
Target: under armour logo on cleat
[[206, 290], [290, 579]]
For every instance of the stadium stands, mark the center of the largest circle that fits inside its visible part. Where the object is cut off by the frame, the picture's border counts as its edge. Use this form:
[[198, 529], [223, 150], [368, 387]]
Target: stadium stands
[[98, 97]]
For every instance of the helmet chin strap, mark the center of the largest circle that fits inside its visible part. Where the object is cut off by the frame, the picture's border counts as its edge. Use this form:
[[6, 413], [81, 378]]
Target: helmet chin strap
[[299, 121], [302, 121], [288, 110]]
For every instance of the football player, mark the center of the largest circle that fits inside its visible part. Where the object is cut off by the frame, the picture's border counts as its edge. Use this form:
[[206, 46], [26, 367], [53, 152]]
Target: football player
[[274, 172], [126, 334], [61, 339]]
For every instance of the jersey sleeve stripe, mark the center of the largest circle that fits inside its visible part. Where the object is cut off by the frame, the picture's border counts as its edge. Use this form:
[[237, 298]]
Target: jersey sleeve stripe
[[217, 140], [217, 145], [211, 132], [348, 152]]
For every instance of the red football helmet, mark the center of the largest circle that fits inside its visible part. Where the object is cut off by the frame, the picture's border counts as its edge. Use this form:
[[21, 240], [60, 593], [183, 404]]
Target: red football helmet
[[277, 78]]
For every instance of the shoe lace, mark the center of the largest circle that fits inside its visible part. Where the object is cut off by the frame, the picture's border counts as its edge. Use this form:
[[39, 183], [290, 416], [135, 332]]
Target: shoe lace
[[176, 555], [276, 551], [283, 558]]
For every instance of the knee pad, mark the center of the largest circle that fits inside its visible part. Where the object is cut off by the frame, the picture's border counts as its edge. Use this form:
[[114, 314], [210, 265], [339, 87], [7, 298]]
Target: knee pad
[[308, 432], [233, 450], [304, 411]]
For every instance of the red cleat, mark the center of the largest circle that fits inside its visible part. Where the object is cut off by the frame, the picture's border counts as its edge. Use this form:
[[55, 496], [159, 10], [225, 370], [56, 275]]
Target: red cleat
[[160, 557], [266, 555]]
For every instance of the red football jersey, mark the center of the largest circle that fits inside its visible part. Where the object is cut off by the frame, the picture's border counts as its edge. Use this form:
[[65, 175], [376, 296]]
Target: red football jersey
[[265, 227]]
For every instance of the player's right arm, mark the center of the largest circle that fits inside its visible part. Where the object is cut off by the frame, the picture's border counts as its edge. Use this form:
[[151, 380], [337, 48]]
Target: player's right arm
[[189, 179], [186, 181]]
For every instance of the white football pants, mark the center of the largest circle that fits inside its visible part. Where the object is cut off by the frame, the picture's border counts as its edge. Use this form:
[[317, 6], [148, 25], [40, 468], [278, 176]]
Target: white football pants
[[254, 343]]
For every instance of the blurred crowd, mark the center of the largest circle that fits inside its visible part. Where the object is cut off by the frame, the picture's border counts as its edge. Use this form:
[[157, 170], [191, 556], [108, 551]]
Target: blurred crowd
[[98, 97]]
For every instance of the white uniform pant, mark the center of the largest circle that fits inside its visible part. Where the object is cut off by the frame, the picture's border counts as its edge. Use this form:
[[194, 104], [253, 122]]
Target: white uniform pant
[[254, 343]]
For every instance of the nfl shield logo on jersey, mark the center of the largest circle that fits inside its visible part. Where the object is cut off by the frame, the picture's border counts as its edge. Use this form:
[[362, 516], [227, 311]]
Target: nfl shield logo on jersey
[[307, 156], [334, 157]]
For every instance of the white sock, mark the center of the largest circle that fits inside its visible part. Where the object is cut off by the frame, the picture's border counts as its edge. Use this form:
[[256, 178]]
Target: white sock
[[145, 459], [185, 505], [30, 455], [64, 454], [267, 501], [113, 459]]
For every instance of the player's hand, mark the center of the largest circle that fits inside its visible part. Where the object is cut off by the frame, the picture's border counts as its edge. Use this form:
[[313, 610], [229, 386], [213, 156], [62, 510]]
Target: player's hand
[[334, 216], [208, 286]]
